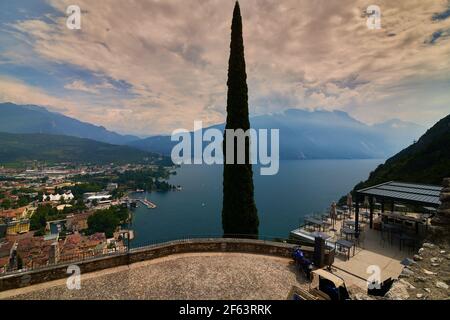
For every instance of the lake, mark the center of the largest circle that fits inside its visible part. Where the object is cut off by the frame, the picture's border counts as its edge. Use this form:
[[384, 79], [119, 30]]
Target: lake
[[300, 188]]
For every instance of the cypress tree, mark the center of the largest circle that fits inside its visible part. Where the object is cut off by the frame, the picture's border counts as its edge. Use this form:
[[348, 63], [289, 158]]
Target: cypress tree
[[239, 213]]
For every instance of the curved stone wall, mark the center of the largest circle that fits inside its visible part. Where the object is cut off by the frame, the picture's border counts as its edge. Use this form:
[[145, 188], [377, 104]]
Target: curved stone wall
[[55, 272]]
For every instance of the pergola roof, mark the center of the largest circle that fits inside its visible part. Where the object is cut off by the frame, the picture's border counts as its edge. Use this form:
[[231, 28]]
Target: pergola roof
[[420, 194]]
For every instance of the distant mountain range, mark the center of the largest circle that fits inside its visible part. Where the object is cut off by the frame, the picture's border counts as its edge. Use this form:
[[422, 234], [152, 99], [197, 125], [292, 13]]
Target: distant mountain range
[[16, 148], [320, 135], [34, 119], [303, 134], [426, 161]]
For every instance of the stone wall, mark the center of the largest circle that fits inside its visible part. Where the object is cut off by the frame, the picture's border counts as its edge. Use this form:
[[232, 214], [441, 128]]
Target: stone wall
[[24, 279]]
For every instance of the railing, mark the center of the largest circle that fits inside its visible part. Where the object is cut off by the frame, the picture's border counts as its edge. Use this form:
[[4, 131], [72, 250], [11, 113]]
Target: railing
[[156, 242], [64, 259]]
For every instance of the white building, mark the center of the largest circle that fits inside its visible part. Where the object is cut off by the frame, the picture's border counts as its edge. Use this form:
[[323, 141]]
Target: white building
[[57, 197], [100, 197]]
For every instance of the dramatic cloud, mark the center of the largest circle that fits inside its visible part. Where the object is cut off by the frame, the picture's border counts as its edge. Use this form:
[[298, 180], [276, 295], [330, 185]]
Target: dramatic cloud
[[153, 66], [18, 92], [80, 85]]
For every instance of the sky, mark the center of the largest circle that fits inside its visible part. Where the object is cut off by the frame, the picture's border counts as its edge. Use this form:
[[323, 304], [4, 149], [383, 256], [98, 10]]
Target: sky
[[146, 67]]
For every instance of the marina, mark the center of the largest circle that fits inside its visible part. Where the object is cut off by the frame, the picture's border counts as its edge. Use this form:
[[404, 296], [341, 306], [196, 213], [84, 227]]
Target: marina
[[147, 203]]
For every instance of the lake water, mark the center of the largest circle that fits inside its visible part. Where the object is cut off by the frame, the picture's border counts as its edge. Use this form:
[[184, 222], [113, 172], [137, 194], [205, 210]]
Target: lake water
[[300, 188]]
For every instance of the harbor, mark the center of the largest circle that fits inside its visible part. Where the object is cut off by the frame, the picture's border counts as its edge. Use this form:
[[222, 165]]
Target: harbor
[[147, 203]]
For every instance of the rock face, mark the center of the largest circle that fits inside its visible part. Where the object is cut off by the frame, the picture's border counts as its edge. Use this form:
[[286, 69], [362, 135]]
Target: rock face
[[399, 291], [441, 222], [429, 277], [441, 285]]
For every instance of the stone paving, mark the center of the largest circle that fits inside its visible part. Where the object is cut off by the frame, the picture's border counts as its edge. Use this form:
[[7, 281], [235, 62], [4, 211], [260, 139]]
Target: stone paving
[[184, 276]]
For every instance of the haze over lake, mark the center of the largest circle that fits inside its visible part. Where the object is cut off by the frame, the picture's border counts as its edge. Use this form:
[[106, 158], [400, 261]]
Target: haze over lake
[[300, 188]]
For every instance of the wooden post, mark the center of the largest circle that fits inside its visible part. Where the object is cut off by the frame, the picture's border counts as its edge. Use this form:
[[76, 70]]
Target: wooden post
[[357, 216], [371, 203]]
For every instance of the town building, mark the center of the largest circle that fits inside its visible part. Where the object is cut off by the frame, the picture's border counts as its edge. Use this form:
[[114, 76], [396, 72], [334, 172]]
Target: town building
[[18, 227], [68, 196], [112, 186]]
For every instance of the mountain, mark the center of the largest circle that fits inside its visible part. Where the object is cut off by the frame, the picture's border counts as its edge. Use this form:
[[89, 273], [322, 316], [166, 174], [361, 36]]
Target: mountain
[[320, 135], [57, 148], [303, 134], [34, 119], [426, 161]]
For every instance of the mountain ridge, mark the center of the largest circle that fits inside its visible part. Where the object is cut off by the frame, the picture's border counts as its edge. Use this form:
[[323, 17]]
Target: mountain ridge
[[304, 134], [19, 148], [36, 119], [426, 161], [318, 135]]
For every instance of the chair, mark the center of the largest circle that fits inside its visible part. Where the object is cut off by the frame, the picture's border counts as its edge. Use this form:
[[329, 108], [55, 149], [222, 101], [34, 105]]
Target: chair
[[366, 216], [326, 226], [362, 227]]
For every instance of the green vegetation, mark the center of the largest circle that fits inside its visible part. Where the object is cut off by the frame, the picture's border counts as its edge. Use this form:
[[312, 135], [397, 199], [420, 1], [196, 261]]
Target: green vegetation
[[43, 214], [47, 212], [6, 204], [426, 161], [239, 213], [145, 179], [77, 205], [107, 220], [79, 189], [15, 148]]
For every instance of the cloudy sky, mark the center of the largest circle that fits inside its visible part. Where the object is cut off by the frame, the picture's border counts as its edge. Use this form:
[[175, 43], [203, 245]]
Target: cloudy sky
[[151, 66]]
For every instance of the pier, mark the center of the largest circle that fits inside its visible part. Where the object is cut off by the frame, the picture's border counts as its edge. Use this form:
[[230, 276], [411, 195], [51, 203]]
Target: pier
[[147, 203]]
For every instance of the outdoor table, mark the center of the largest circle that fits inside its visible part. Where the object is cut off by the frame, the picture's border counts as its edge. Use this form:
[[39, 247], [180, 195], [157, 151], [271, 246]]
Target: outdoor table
[[350, 223], [323, 235], [344, 213], [348, 232], [340, 214], [326, 225], [348, 245], [315, 222], [365, 216], [390, 227]]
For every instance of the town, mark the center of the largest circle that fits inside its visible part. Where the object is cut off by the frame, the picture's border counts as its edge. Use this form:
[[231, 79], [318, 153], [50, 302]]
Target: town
[[67, 212]]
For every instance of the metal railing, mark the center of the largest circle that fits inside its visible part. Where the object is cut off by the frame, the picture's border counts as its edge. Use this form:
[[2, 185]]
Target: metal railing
[[64, 259]]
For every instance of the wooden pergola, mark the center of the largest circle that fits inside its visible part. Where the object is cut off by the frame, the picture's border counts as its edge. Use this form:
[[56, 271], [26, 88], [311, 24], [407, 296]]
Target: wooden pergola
[[392, 193]]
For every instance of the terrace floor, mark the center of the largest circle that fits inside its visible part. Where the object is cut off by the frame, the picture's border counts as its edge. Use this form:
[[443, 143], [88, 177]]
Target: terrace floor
[[183, 276], [372, 252]]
